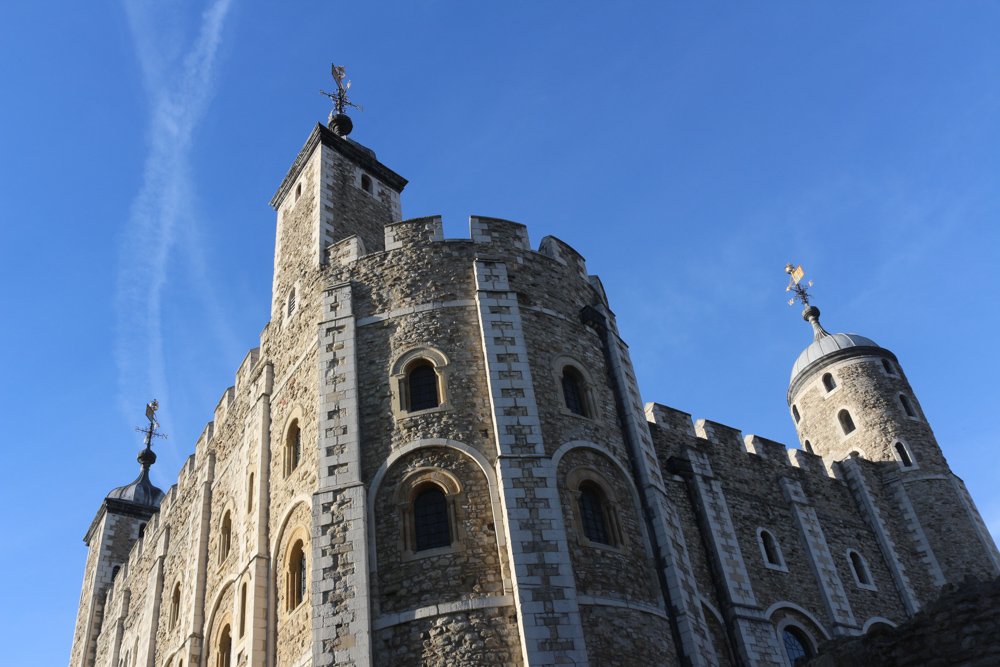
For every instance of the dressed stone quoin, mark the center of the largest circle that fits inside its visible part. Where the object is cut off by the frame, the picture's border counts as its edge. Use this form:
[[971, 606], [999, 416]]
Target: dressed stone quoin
[[438, 455]]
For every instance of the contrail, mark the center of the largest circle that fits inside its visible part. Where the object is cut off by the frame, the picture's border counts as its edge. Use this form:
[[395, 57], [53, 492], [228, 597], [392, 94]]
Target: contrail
[[179, 86]]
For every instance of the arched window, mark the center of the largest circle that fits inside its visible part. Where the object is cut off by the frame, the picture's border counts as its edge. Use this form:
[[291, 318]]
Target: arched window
[[175, 606], [795, 414], [225, 537], [796, 644], [828, 382], [366, 183], [846, 422], [293, 447], [291, 302], [422, 387], [591, 504], [904, 456], [243, 609], [296, 576], [808, 446], [250, 493], [114, 571], [298, 191], [859, 568], [769, 546], [430, 519], [888, 367], [225, 647], [906, 406], [572, 386]]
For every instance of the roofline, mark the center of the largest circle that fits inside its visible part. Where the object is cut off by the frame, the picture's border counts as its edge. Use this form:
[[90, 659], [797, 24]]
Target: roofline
[[325, 136], [827, 359], [121, 507]]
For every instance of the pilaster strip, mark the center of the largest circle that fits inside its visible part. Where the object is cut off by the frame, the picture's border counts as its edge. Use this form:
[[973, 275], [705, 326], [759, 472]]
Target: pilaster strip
[[834, 598], [982, 532], [339, 568], [873, 516], [923, 548], [543, 583]]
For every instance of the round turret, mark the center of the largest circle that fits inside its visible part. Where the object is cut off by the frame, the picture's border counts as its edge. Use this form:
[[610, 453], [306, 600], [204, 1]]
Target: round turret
[[848, 395]]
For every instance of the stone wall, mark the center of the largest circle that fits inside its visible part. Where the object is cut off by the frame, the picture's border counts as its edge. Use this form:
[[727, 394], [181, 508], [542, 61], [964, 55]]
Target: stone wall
[[962, 627]]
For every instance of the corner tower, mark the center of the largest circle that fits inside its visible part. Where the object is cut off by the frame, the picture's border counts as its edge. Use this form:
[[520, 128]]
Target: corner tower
[[849, 397]]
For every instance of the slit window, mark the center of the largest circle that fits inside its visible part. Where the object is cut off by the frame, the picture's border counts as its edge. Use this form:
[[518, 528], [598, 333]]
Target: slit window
[[366, 183], [296, 576], [906, 406], [771, 552], [291, 302], [430, 519], [572, 387], [243, 609], [298, 191], [904, 456], [808, 446], [829, 383], [422, 386], [225, 537], [250, 493], [795, 414], [888, 367], [846, 422], [293, 447], [591, 505], [860, 570], [175, 606]]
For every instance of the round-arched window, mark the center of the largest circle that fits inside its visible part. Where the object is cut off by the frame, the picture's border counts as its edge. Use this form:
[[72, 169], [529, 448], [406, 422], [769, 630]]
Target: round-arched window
[[423, 389], [828, 382], [591, 504], [430, 519], [796, 644]]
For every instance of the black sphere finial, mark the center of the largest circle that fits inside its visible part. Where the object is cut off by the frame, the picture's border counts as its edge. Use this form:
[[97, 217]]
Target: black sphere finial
[[340, 124]]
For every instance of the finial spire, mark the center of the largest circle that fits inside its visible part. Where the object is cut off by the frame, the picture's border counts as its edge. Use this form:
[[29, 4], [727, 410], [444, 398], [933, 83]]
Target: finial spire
[[146, 457], [339, 122], [811, 313]]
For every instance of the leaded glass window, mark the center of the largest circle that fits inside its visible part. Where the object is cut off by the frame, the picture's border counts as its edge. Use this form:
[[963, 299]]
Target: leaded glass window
[[430, 519], [573, 393], [592, 516], [796, 645], [423, 388]]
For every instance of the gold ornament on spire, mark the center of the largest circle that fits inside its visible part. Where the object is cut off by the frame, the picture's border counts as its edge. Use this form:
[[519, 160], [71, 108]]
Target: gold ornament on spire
[[340, 101], [795, 285]]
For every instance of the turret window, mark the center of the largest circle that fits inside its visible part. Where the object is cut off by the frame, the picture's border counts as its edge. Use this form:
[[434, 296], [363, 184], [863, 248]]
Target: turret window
[[573, 392], [888, 367], [225, 537], [243, 609], [795, 414], [291, 302], [907, 408], [422, 385], [175, 606], [846, 422], [298, 191], [904, 455], [596, 519], [366, 183], [430, 519], [828, 382], [592, 514], [859, 568], [419, 382], [296, 576], [293, 447], [807, 446]]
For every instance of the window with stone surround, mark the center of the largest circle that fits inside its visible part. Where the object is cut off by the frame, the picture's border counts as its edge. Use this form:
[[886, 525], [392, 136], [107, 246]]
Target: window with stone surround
[[293, 448], [770, 550], [828, 382], [175, 605], [859, 568], [846, 421], [907, 407], [225, 537], [796, 644], [291, 303], [366, 183], [903, 455], [295, 576], [298, 191], [807, 446], [224, 649], [243, 609], [888, 367], [596, 515], [795, 414], [250, 493], [428, 502], [576, 387], [419, 382]]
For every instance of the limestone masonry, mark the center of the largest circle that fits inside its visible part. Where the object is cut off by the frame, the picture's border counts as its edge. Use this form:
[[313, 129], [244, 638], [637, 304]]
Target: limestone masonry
[[439, 455]]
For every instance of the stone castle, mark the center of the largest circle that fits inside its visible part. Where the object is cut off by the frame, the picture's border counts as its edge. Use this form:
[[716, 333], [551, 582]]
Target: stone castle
[[439, 455]]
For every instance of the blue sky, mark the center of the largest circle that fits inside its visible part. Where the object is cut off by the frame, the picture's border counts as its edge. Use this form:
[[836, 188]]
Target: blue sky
[[687, 150]]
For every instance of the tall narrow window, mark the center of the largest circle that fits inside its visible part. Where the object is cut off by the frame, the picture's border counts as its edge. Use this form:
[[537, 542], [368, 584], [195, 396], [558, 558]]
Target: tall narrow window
[[225, 537], [291, 302], [860, 571], [430, 519], [592, 514], [829, 383], [572, 387], [296, 576], [846, 422], [293, 447], [298, 191], [795, 414], [243, 609], [422, 386], [771, 552], [796, 644], [906, 406], [250, 493], [888, 367], [225, 647], [904, 456], [175, 606], [366, 183], [808, 446]]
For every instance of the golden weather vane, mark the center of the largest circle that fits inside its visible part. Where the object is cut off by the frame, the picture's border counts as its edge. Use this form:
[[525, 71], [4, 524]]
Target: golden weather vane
[[795, 285], [340, 101], [150, 430]]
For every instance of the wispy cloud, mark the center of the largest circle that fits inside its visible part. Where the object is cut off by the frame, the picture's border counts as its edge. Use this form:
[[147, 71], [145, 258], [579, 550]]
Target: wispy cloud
[[177, 67]]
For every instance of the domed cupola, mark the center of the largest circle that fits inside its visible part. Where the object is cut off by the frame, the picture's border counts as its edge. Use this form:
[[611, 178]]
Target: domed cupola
[[827, 348], [142, 491]]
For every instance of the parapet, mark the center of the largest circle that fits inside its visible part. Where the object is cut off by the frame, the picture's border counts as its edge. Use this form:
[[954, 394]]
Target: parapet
[[669, 418], [720, 434], [563, 253], [769, 449], [504, 233], [228, 396], [414, 232]]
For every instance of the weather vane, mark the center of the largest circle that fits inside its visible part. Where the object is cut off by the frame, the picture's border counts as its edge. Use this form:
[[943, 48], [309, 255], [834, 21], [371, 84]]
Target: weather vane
[[150, 430], [340, 101], [794, 285]]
